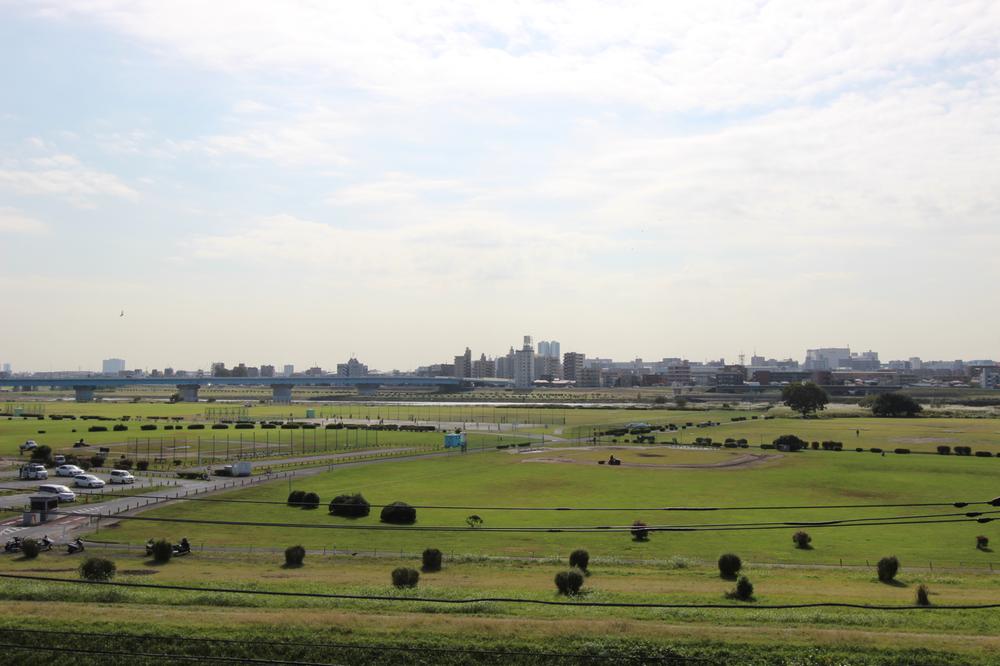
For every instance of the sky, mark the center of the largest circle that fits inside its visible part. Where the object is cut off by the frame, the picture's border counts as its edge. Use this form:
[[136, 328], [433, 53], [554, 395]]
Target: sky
[[300, 181]]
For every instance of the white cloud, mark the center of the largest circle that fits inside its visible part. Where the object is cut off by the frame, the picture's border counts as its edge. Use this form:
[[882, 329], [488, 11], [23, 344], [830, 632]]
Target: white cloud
[[668, 56], [14, 222], [63, 176]]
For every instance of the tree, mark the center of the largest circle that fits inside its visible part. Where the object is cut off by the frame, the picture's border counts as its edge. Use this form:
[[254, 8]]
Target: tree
[[569, 582], [804, 398], [729, 565], [887, 569], [895, 404]]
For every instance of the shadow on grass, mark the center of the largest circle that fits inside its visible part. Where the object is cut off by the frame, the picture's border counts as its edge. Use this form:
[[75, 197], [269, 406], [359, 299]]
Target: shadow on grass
[[893, 583]]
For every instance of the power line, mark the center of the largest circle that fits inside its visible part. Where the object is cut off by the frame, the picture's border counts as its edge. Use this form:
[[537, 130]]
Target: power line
[[504, 600]]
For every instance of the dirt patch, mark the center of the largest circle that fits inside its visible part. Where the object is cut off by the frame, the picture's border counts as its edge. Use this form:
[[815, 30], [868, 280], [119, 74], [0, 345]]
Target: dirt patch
[[748, 460], [138, 572]]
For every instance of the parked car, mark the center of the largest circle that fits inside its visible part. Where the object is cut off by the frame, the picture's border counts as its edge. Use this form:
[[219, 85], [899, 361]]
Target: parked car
[[59, 459], [63, 493], [121, 476], [30, 445], [87, 481], [68, 470], [33, 471]]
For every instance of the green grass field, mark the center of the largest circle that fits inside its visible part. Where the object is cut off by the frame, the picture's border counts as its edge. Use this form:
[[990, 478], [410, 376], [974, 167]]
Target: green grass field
[[676, 566], [506, 479]]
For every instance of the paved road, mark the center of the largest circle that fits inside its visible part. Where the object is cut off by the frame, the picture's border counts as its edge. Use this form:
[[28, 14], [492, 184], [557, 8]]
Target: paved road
[[66, 528]]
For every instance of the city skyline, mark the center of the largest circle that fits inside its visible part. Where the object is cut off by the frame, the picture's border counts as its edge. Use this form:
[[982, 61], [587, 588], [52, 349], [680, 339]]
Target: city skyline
[[263, 188], [333, 366]]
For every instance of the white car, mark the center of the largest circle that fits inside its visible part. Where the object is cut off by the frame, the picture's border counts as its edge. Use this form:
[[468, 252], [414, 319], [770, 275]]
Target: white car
[[30, 445], [59, 459], [87, 481], [68, 470], [121, 476], [63, 493]]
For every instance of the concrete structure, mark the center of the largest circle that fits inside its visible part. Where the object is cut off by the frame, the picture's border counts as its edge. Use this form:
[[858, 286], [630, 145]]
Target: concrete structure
[[827, 358], [463, 364], [484, 367], [281, 393], [185, 393], [112, 366], [353, 368], [572, 366], [288, 370], [188, 391], [524, 365]]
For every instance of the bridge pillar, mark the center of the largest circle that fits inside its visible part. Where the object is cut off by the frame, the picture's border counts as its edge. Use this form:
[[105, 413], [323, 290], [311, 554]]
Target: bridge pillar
[[187, 392], [84, 393], [281, 393]]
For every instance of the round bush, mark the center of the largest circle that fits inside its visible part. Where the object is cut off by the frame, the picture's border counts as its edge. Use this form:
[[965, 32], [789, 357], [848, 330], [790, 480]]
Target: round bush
[[310, 501], [569, 582], [97, 568], [729, 565], [295, 497], [30, 549], [350, 506], [888, 567], [579, 559], [923, 598], [294, 555], [743, 591], [398, 513], [404, 577], [162, 551], [431, 560], [639, 531], [802, 540], [982, 542]]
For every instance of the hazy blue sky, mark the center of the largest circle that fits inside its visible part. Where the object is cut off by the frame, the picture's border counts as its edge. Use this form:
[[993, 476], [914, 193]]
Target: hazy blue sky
[[296, 181]]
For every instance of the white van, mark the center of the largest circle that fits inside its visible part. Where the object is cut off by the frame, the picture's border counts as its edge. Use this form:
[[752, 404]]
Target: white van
[[121, 476], [63, 493]]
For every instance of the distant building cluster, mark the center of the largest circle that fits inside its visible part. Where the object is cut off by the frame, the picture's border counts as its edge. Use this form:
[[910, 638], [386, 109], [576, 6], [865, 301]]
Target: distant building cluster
[[546, 366]]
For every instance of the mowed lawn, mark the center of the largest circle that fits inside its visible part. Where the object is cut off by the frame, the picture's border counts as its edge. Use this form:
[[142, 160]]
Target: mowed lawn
[[916, 434], [481, 481]]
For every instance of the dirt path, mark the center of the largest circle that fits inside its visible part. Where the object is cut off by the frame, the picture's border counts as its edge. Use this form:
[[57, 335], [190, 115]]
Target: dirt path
[[745, 460]]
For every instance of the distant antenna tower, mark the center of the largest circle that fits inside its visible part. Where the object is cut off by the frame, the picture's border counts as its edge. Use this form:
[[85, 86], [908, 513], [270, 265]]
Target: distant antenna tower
[[742, 358]]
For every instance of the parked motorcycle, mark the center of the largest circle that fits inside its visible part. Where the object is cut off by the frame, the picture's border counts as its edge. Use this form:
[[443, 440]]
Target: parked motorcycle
[[13, 546], [74, 547], [183, 548]]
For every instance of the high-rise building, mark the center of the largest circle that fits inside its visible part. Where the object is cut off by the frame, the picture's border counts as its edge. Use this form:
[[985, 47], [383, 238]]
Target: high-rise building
[[267, 371], [549, 349], [288, 370], [463, 364], [112, 366], [484, 367], [353, 368], [572, 366], [827, 358], [524, 365], [505, 365], [6, 368]]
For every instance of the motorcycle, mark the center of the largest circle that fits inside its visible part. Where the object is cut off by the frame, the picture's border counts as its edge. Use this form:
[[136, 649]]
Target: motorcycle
[[183, 548], [74, 547], [13, 546]]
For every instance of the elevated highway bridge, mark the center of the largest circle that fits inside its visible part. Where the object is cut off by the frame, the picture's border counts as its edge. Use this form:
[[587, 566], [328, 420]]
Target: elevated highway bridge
[[281, 387]]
